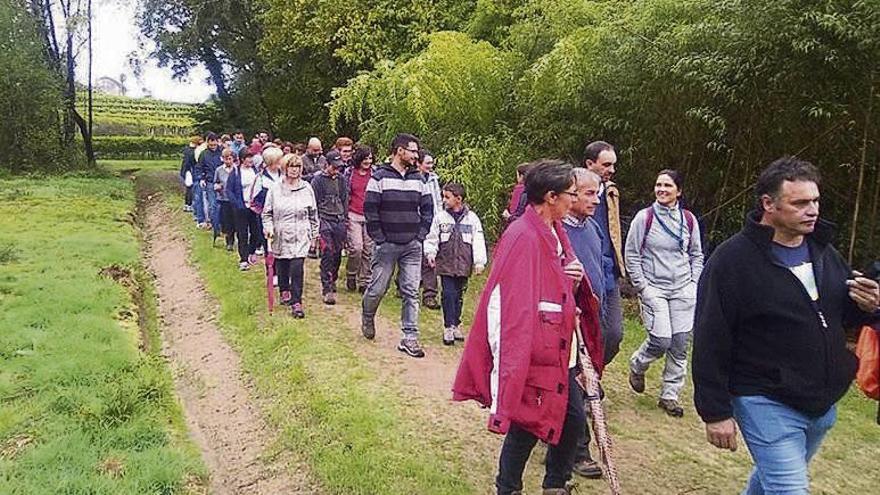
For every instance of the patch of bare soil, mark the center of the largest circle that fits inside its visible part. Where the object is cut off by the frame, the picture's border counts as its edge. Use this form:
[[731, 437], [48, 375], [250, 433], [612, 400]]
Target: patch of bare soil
[[221, 412]]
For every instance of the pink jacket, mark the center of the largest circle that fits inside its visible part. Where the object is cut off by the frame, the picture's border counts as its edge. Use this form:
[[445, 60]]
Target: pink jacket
[[515, 360]]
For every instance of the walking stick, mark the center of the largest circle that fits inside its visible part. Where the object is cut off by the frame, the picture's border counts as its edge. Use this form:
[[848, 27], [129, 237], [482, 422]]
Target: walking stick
[[588, 379], [270, 275]]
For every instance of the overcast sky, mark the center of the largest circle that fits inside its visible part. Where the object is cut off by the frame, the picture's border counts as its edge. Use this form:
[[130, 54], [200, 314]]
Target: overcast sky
[[115, 36]]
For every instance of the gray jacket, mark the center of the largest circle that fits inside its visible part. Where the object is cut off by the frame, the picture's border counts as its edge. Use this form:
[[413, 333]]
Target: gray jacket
[[657, 258]]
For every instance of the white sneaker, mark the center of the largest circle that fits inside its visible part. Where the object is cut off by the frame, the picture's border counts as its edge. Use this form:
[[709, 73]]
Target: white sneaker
[[456, 334], [448, 337], [243, 266], [259, 251], [275, 280]]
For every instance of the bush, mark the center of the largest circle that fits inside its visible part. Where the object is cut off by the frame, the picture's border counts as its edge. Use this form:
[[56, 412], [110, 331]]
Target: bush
[[138, 147]]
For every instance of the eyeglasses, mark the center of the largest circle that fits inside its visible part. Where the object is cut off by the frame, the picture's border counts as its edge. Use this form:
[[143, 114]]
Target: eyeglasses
[[574, 195], [412, 150]]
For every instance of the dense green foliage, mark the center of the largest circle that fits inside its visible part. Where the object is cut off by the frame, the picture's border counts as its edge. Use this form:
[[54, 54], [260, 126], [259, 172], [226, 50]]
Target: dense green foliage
[[82, 409], [138, 147], [716, 89], [30, 96], [126, 116]]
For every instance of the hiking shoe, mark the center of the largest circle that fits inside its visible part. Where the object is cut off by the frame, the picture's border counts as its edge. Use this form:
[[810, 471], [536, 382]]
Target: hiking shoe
[[568, 490], [637, 381], [368, 328], [362, 289], [411, 347], [243, 266], [202, 225], [587, 468], [351, 284], [297, 311], [672, 407], [456, 334], [187, 208], [448, 337], [286, 298], [430, 302], [330, 298]]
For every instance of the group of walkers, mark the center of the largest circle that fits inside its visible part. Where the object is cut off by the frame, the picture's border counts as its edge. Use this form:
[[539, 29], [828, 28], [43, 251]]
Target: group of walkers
[[295, 201], [767, 312]]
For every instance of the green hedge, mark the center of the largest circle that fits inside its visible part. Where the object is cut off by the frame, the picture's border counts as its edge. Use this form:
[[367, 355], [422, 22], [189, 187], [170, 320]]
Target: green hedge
[[138, 147]]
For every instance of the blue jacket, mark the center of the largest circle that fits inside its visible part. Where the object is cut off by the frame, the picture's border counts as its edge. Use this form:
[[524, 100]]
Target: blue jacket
[[208, 163], [586, 240], [233, 189]]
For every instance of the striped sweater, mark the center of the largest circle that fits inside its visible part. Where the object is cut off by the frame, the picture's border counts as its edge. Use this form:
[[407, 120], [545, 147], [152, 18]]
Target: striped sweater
[[398, 207]]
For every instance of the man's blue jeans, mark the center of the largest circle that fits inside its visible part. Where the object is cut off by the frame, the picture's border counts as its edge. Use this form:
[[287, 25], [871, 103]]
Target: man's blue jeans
[[198, 202], [408, 258], [782, 441]]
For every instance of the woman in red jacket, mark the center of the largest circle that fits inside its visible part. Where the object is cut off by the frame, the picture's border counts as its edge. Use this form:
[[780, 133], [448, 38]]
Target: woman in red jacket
[[519, 360]]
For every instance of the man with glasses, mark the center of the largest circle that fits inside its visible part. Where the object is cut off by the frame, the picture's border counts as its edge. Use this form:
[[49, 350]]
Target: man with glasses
[[399, 211]]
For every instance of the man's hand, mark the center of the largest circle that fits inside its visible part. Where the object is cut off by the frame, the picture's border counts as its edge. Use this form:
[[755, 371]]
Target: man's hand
[[203, 184], [864, 292], [722, 434], [478, 269], [431, 261], [574, 270]]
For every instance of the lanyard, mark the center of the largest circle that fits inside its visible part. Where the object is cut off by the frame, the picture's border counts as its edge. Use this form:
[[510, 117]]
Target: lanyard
[[680, 236]]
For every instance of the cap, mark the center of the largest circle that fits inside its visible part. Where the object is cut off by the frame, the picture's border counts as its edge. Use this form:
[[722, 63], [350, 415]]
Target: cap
[[334, 158]]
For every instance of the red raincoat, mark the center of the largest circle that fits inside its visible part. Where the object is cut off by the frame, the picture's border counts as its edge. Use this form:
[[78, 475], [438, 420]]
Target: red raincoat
[[516, 357]]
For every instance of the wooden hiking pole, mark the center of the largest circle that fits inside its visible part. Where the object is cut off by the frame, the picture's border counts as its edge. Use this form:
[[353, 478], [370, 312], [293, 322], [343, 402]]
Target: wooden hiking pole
[[588, 379]]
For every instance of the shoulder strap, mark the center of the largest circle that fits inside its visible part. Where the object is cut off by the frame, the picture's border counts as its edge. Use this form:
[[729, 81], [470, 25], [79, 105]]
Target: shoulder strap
[[689, 218], [649, 220]]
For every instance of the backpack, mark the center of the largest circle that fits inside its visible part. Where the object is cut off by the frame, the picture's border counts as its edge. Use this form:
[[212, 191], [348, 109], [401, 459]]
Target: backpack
[[649, 220], [868, 374]]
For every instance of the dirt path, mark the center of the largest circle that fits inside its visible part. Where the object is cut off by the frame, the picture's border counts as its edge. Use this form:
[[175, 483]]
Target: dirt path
[[221, 413]]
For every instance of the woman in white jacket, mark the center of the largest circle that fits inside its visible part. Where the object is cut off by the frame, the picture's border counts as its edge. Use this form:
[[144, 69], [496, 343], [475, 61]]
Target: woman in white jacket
[[664, 259], [290, 224]]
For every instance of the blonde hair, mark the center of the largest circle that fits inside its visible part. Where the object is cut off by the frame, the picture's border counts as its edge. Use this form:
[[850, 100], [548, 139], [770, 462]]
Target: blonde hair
[[227, 152], [290, 159], [271, 155]]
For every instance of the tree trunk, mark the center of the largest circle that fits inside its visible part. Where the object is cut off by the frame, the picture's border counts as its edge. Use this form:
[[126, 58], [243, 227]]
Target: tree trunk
[[862, 160], [91, 59], [215, 68]]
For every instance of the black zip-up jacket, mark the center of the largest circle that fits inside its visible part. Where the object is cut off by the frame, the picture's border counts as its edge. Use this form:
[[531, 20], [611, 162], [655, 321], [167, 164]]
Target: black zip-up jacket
[[398, 207], [757, 332]]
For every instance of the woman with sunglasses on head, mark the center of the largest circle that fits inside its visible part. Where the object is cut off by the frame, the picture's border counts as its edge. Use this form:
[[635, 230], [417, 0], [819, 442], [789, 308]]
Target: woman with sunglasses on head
[[290, 224]]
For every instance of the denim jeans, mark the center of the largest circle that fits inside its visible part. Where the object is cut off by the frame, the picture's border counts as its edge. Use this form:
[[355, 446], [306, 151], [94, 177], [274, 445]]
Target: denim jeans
[[451, 299], [198, 199], [781, 441], [408, 258], [213, 208], [518, 445]]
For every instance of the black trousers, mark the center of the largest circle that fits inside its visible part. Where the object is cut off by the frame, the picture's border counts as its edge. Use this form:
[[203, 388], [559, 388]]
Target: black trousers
[[227, 221], [333, 235], [188, 196], [249, 228], [518, 445], [290, 277]]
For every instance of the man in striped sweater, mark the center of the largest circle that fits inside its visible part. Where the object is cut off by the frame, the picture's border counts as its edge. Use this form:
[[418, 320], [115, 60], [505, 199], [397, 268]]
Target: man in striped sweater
[[399, 211]]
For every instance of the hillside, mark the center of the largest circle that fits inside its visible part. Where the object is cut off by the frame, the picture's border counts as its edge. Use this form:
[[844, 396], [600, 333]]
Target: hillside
[[127, 116]]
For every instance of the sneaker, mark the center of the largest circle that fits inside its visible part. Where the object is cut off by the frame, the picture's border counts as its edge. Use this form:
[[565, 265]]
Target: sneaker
[[362, 289], [588, 468], [672, 407], [187, 208], [229, 247], [368, 328], [330, 298], [259, 251], [274, 280], [286, 299], [243, 266], [350, 284], [298, 311], [637, 381], [430, 302], [411, 347], [456, 334], [202, 225], [448, 336]]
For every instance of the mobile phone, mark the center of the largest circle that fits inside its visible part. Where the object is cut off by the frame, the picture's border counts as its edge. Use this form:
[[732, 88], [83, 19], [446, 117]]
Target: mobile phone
[[872, 271]]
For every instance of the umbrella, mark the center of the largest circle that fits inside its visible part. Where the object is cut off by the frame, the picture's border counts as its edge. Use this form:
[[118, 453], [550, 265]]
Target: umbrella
[[588, 379], [270, 275]]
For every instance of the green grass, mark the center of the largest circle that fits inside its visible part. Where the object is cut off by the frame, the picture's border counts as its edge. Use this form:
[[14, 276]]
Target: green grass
[[125, 167], [82, 410]]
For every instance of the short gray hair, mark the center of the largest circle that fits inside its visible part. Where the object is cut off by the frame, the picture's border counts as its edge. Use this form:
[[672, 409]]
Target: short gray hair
[[582, 174]]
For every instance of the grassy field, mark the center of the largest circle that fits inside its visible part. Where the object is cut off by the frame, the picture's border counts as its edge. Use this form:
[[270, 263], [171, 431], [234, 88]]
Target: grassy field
[[364, 431], [86, 403]]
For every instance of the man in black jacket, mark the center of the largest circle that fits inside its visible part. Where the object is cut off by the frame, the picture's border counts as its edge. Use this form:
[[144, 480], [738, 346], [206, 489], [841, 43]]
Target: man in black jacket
[[769, 346]]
